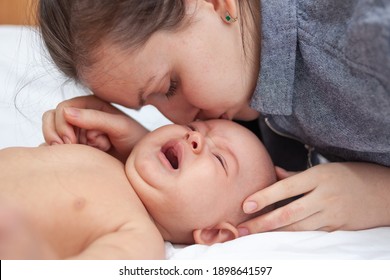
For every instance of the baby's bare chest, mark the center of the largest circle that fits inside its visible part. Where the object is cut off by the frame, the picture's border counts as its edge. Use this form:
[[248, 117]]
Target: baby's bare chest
[[69, 208]]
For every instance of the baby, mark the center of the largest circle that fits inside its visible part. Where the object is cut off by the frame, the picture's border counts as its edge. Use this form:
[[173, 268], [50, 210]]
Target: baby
[[183, 184]]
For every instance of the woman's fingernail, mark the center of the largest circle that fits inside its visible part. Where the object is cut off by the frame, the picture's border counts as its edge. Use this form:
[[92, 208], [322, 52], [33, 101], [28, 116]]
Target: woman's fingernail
[[250, 207], [243, 231], [73, 112]]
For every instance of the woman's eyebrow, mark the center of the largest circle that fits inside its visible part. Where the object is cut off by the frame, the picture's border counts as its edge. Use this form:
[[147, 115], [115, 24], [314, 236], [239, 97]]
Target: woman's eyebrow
[[141, 91], [141, 100]]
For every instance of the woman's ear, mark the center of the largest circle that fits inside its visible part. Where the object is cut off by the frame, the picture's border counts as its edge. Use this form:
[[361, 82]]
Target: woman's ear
[[218, 234], [227, 9], [282, 173], [231, 8]]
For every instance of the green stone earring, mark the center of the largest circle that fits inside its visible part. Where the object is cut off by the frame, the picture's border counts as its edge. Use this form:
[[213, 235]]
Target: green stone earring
[[229, 18]]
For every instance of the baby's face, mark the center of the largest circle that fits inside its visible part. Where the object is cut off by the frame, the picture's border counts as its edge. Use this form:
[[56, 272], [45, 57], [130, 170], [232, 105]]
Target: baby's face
[[196, 176]]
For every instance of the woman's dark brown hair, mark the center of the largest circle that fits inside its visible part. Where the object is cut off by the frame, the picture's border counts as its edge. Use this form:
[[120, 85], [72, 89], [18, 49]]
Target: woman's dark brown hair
[[72, 30]]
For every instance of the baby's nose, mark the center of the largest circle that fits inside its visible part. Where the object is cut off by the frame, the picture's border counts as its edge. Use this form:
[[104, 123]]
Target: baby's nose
[[195, 140]]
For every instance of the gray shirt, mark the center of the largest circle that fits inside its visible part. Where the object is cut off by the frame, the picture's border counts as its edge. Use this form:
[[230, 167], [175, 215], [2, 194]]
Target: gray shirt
[[325, 75]]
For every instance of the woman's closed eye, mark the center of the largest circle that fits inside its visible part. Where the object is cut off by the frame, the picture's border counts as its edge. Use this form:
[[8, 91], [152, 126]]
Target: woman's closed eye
[[172, 90]]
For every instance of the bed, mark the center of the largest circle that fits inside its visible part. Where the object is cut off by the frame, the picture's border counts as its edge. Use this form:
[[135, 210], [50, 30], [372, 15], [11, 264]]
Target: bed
[[31, 85]]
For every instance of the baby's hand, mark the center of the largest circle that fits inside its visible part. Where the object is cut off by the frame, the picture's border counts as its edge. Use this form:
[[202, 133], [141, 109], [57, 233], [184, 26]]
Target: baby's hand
[[346, 196], [91, 121], [57, 124]]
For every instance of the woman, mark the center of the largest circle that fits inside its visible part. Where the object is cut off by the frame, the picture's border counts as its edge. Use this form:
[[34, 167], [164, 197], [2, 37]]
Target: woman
[[318, 72]]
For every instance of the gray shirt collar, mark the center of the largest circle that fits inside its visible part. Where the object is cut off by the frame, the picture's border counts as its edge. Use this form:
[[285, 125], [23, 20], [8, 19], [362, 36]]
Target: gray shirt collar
[[274, 90]]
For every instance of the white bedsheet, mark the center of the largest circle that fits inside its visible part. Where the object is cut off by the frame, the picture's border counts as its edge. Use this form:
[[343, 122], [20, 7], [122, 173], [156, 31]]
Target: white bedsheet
[[26, 74]]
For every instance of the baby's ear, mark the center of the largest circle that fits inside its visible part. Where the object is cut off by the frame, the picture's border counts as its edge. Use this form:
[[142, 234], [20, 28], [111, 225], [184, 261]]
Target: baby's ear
[[218, 234]]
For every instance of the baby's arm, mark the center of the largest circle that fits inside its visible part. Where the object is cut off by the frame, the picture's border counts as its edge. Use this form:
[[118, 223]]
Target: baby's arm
[[128, 242], [18, 239]]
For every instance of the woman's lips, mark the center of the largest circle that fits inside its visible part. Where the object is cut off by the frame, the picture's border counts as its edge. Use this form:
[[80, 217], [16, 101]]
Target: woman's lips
[[224, 116], [200, 116], [171, 154]]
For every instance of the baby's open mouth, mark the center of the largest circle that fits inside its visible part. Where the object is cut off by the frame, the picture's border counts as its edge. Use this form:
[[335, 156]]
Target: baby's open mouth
[[172, 152], [171, 155]]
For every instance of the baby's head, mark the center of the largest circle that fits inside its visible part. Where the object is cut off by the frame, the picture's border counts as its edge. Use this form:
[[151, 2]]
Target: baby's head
[[193, 179]]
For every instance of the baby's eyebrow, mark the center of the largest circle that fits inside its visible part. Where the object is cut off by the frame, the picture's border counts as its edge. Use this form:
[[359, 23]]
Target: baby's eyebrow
[[190, 126]]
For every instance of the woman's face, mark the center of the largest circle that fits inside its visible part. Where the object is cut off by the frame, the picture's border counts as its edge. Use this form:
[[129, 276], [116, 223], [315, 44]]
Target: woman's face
[[199, 72]]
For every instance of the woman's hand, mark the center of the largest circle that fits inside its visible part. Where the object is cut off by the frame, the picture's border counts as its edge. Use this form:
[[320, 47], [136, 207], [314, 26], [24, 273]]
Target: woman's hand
[[91, 121], [345, 196]]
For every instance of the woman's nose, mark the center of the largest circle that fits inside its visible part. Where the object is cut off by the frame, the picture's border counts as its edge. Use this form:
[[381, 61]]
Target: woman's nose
[[195, 140], [179, 111]]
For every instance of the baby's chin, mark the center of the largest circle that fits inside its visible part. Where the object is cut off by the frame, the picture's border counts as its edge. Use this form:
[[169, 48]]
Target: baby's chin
[[129, 166]]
